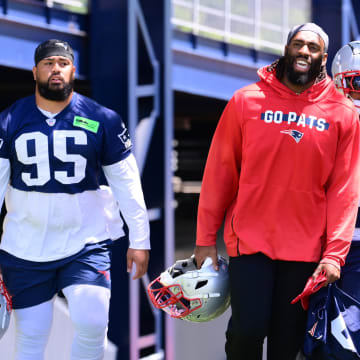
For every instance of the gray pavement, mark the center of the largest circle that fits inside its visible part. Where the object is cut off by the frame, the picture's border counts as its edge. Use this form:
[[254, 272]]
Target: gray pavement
[[201, 341]]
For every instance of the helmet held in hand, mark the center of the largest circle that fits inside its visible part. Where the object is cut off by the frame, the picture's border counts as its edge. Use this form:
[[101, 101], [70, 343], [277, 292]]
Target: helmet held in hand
[[188, 293]]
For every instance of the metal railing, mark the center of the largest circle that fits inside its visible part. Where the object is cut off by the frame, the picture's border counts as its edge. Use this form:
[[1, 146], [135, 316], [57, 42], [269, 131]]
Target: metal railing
[[260, 24]]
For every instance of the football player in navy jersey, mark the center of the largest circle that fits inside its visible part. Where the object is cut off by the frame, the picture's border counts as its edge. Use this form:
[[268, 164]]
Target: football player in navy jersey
[[60, 221], [345, 69]]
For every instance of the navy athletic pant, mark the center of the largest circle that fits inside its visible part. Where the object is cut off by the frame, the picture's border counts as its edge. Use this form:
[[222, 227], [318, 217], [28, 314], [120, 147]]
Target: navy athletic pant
[[261, 292], [350, 273]]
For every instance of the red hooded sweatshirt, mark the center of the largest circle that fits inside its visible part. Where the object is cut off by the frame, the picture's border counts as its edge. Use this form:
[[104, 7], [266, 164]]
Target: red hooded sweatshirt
[[284, 171]]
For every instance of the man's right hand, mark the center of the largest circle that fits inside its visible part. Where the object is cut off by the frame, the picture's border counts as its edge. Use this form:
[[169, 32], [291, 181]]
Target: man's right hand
[[202, 252], [140, 258]]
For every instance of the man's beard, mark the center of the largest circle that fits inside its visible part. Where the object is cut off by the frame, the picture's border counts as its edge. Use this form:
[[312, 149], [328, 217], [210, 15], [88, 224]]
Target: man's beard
[[300, 78], [59, 94]]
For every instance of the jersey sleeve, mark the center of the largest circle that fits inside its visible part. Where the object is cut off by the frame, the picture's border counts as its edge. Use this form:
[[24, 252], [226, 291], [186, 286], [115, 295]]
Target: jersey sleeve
[[342, 191], [117, 143], [124, 180], [221, 176]]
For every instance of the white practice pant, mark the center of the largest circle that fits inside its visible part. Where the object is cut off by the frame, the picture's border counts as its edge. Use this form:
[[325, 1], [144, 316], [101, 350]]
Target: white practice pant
[[89, 313]]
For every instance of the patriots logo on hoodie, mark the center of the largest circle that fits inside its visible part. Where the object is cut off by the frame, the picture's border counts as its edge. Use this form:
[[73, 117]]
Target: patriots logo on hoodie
[[295, 134]]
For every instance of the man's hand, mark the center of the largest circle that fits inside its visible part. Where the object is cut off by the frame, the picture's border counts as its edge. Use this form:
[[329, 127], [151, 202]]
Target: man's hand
[[141, 260], [331, 271], [202, 252]]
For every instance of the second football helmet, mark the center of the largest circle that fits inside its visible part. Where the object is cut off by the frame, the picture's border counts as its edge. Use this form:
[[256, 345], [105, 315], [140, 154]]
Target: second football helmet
[[192, 294], [5, 309], [345, 70]]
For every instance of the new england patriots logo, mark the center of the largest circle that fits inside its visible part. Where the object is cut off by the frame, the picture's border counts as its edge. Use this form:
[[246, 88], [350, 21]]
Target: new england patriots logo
[[295, 134]]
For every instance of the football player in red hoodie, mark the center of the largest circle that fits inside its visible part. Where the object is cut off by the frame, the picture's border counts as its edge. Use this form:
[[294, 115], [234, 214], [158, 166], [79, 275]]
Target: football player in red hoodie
[[283, 172]]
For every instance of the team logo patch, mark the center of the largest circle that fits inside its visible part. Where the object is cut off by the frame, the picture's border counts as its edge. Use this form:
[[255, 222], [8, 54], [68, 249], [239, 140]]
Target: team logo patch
[[295, 134], [61, 44], [125, 138], [51, 122], [86, 124]]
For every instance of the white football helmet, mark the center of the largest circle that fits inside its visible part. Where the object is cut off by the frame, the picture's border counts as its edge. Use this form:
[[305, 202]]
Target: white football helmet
[[192, 294], [345, 70], [5, 309]]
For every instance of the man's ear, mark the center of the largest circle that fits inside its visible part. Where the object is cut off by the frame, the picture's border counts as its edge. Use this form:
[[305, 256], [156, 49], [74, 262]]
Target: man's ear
[[324, 60], [34, 69]]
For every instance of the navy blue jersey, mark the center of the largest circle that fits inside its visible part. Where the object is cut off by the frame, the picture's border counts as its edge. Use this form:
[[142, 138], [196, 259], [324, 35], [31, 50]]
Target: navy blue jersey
[[64, 154], [333, 326]]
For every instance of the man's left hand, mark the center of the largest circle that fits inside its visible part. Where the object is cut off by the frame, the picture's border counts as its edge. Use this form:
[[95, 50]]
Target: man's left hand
[[141, 260], [331, 271]]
